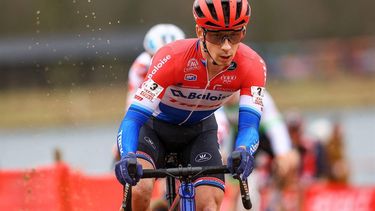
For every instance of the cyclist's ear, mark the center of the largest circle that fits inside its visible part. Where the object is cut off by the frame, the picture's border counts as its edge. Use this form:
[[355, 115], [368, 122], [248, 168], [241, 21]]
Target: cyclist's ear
[[199, 32]]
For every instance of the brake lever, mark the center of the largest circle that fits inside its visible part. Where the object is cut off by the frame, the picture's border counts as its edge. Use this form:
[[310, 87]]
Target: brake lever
[[244, 187], [126, 199]]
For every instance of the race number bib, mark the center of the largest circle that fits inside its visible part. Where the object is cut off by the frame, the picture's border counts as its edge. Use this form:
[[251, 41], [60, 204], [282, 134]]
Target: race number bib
[[258, 93], [150, 90]]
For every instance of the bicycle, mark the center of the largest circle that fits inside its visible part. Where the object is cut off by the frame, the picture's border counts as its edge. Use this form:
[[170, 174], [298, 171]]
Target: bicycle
[[185, 175]]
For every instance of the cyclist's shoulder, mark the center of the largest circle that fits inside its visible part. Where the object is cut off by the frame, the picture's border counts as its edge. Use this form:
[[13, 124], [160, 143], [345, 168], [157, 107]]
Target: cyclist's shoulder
[[246, 54], [249, 61]]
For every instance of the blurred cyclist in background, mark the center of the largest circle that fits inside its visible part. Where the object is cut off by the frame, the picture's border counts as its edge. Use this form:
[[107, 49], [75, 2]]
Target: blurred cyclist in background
[[275, 157], [186, 83], [156, 37]]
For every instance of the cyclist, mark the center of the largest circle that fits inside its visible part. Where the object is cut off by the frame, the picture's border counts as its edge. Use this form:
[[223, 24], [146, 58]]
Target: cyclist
[[186, 83], [156, 37]]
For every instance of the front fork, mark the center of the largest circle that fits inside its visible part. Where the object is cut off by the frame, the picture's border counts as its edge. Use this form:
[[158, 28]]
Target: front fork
[[187, 196]]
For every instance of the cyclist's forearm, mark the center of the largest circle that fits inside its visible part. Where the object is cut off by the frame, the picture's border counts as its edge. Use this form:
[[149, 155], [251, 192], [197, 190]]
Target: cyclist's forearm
[[127, 137], [248, 125]]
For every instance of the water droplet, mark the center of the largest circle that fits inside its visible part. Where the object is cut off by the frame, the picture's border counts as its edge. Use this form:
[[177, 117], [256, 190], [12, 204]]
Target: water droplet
[[38, 12], [110, 23]]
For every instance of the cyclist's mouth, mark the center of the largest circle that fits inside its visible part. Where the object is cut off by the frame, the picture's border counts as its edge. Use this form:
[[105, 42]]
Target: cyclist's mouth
[[225, 57]]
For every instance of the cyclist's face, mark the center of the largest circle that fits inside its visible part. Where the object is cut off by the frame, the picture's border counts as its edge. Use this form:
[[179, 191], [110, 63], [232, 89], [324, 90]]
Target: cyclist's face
[[222, 45]]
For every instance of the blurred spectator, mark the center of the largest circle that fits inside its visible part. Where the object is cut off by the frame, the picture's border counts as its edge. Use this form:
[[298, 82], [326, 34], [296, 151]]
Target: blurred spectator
[[313, 158], [338, 168]]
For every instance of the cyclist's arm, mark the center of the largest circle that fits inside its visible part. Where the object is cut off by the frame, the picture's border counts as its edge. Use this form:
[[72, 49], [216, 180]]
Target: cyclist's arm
[[251, 107], [286, 159], [145, 101], [275, 127]]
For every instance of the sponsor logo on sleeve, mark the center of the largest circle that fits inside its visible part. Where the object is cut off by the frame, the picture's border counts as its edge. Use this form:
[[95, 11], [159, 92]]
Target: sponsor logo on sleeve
[[119, 142]]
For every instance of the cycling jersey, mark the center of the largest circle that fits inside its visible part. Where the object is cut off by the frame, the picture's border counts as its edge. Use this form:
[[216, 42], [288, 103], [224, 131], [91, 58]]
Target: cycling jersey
[[177, 90], [137, 73]]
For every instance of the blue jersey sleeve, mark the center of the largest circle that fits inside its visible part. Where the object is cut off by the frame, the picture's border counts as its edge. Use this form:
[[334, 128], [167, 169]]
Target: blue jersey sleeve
[[248, 126], [127, 136]]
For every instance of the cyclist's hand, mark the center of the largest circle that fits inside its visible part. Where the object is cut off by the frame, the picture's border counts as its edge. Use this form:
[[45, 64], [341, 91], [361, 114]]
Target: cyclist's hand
[[128, 170], [246, 164]]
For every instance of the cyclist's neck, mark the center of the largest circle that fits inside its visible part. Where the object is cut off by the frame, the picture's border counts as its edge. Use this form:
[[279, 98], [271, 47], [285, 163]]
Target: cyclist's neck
[[214, 69]]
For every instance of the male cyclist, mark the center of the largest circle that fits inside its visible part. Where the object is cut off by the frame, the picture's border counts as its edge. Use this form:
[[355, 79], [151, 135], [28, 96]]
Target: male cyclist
[[186, 83]]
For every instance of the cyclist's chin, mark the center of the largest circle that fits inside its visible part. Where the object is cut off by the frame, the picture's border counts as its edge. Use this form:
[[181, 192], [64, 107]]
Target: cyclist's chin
[[224, 61]]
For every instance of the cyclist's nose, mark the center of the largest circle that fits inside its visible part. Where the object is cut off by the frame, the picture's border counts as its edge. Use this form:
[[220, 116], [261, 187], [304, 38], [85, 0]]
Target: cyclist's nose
[[226, 45]]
